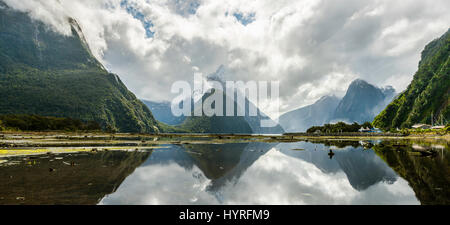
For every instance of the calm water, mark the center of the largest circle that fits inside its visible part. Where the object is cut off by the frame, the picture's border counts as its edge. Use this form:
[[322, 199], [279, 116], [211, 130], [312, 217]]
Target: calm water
[[248, 173]]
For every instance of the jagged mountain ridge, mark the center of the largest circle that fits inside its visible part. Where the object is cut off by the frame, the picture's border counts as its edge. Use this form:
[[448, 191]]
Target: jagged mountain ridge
[[361, 103], [222, 124], [253, 121]]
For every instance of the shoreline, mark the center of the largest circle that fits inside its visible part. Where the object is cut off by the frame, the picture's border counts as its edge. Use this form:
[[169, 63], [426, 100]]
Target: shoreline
[[241, 135], [38, 143]]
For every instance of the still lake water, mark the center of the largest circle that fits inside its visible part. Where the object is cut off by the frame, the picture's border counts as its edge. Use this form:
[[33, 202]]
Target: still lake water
[[372, 172]]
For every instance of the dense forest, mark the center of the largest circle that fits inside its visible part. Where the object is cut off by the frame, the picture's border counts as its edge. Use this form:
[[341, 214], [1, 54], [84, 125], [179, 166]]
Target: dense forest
[[339, 127], [45, 123], [426, 100]]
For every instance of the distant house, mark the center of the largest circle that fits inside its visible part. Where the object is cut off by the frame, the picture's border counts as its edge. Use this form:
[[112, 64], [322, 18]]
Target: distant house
[[437, 127], [364, 129], [421, 126], [370, 130]]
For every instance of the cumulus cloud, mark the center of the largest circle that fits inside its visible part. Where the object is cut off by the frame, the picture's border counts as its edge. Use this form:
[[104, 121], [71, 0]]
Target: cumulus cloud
[[313, 48]]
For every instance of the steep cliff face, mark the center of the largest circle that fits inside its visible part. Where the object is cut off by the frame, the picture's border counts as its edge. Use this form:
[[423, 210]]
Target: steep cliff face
[[46, 73], [362, 102], [426, 100]]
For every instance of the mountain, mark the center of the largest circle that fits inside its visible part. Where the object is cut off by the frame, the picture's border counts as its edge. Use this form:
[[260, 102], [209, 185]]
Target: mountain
[[230, 124], [428, 95], [46, 73], [255, 121], [215, 124], [362, 102], [319, 113], [162, 112]]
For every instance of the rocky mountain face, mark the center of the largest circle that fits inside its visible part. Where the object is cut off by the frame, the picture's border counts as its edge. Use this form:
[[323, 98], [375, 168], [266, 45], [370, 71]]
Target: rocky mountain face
[[361, 103], [46, 73], [216, 124], [253, 121], [426, 100]]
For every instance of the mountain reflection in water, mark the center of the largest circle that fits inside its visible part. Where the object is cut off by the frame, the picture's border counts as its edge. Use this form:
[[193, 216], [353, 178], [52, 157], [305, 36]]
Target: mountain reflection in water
[[241, 173], [260, 173]]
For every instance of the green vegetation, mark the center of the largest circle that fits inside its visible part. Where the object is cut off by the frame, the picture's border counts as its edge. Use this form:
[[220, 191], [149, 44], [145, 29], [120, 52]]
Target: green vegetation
[[443, 131], [367, 125], [48, 74], [216, 124], [427, 96], [165, 128], [43, 123], [338, 128]]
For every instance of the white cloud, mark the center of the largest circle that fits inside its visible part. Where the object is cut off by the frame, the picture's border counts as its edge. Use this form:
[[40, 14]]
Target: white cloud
[[313, 47]]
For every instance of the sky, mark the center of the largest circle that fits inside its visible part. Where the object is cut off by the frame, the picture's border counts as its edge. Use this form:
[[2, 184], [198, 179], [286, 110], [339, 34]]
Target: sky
[[312, 47]]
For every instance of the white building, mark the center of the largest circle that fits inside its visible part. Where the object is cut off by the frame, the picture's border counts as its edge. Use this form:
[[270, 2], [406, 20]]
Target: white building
[[437, 127], [364, 129], [421, 126]]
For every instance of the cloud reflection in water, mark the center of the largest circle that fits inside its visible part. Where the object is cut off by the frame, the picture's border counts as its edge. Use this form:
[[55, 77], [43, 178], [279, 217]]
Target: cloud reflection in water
[[274, 178]]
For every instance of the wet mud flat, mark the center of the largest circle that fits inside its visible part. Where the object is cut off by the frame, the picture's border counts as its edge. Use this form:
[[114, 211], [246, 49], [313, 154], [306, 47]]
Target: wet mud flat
[[59, 142]]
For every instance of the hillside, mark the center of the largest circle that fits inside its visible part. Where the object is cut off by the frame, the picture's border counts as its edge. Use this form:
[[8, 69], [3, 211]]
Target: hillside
[[45, 73], [162, 112], [427, 97], [316, 114]]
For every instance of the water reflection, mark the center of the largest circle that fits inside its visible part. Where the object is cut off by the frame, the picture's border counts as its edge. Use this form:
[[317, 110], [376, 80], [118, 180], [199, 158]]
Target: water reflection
[[369, 172], [81, 179], [259, 173], [425, 167], [363, 168]]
